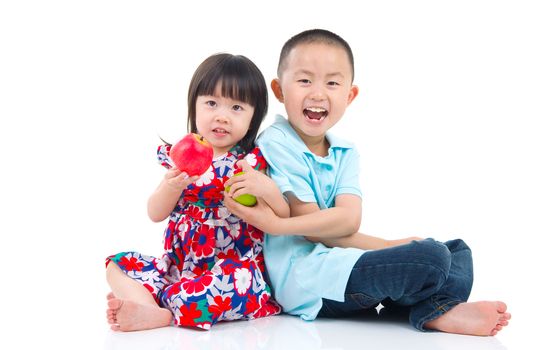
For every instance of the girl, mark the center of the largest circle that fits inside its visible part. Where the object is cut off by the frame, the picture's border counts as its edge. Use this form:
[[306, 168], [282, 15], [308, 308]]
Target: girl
[[213, 267]]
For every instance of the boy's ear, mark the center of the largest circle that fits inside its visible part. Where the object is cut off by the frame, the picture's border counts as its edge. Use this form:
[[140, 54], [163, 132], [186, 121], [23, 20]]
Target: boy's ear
[[353, 93], [277, 89]]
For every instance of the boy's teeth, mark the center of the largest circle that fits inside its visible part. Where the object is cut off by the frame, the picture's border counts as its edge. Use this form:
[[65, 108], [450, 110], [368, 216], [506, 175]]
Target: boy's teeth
[[316, 109]]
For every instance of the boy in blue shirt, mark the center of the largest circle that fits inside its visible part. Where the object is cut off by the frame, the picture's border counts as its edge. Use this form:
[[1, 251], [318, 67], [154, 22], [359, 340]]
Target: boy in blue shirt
[[318, 262]]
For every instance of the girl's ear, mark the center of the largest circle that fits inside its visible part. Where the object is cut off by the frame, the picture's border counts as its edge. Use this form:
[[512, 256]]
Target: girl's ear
[[277, 89]]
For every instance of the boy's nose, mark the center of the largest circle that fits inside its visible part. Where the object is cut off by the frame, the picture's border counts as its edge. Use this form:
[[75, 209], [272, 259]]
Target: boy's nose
[[317, 94]]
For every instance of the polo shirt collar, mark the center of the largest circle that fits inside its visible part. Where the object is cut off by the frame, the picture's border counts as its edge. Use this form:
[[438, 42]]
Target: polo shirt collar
[[335, 142]]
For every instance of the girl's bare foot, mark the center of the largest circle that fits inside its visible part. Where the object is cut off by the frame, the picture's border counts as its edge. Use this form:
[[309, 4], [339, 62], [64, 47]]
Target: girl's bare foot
[[127, 315], [477, 318]]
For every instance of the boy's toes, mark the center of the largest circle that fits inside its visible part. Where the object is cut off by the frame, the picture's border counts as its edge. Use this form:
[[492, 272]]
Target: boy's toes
[[501, 307], [503, 322]]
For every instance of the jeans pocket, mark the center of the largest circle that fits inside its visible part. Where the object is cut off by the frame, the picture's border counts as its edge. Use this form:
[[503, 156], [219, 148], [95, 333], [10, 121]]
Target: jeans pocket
[[363, 300]]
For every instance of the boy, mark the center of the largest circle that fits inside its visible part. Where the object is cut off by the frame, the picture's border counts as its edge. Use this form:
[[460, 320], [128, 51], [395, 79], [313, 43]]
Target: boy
[[312, 270]]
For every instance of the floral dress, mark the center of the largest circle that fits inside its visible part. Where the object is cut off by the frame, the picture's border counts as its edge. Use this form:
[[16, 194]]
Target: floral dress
[[213, 266]]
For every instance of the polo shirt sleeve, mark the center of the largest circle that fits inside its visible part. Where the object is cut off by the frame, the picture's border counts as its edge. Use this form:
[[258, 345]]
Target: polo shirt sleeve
[[348, 181], [287, 167]]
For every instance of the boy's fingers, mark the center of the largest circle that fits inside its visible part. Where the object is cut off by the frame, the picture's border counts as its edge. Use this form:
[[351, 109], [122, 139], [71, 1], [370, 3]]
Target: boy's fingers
[[244, 165]]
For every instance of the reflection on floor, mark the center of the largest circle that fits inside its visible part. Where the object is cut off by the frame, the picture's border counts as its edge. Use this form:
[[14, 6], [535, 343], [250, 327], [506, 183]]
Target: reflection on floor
[[288, 332]]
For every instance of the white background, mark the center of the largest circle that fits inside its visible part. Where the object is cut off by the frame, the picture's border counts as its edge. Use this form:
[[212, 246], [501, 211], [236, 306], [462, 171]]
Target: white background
[[453, 123]]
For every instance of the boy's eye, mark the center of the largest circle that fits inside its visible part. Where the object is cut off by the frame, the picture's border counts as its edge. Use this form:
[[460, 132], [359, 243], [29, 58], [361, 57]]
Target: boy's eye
[[304, 81], [333, 83]]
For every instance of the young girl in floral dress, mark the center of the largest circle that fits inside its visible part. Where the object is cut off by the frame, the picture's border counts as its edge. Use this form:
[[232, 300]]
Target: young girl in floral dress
[[213, 266]]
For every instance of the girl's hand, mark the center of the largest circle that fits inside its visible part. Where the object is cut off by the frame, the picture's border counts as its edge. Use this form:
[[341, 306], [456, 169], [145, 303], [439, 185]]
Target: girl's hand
[[178, 180], [250, 182]]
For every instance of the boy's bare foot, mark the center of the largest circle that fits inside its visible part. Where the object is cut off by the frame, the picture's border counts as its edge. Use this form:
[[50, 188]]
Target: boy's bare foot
[[127, 315], [476, 318]]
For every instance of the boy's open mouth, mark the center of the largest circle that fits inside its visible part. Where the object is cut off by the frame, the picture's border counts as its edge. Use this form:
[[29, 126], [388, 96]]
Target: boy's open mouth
[[315, 113]]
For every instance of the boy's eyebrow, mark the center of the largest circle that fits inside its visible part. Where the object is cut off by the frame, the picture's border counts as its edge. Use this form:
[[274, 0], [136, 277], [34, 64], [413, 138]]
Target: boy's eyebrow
[[307, 72]]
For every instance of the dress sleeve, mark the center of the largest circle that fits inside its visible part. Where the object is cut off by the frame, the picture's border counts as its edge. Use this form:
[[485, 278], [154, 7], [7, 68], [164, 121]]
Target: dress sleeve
[[163, 156], [254, 158]]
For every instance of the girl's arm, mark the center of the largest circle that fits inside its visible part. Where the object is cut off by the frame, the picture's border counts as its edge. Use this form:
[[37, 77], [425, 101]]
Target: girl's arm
[[257, 183], [163, 200]]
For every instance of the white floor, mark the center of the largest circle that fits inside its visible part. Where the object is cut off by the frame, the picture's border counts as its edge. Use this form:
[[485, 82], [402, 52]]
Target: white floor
[[77, 321], [287, 332]]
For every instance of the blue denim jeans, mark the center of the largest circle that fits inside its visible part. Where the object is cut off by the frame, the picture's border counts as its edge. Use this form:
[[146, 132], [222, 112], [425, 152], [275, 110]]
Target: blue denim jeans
[[423, 278]]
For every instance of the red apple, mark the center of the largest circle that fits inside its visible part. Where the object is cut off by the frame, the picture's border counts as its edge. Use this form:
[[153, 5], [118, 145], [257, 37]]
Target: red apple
[[192, 155]]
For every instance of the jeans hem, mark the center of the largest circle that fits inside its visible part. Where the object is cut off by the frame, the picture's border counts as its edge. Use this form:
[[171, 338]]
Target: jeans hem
[[439, 310]]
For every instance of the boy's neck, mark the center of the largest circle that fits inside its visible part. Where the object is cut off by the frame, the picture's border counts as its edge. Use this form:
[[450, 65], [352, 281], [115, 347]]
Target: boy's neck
[[318, 145]]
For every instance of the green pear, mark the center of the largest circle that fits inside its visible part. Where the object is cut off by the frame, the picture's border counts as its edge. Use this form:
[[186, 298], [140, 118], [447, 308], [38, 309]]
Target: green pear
[[248, 200]]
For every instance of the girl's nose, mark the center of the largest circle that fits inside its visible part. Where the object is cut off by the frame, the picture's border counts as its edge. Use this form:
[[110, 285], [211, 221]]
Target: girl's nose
[[221, 118]]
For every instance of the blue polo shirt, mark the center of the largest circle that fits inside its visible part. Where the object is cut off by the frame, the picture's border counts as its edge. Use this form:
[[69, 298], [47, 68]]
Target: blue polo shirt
[[302, 272]]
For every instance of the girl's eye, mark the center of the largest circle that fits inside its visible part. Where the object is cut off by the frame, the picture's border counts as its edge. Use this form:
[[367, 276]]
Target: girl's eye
[[237, 108], [211, 103]]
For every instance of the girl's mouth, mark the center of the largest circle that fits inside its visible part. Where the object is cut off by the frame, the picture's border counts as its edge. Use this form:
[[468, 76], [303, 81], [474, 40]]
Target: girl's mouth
[[220, 132], [315, 113]]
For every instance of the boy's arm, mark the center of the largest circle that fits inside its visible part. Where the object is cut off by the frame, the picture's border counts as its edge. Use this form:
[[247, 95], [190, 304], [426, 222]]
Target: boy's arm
[[257, 183], [341, 220], [363, 241], [354, 240]]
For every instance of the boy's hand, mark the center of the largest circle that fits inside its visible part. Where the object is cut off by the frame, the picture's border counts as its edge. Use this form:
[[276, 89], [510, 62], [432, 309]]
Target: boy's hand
[[250, 182], [396, 242], [261, 215], [178, 180]]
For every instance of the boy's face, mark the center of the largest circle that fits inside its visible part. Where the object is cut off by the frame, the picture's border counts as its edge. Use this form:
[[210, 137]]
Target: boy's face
[[315, 87]]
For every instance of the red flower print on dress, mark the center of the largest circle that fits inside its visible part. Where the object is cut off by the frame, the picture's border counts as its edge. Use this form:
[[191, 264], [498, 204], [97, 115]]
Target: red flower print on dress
[[203, 242], [213, 194], [189, 314], [252, 304], [197, 286], [220, 305], [268, 307], [131, 264], [229, 254]]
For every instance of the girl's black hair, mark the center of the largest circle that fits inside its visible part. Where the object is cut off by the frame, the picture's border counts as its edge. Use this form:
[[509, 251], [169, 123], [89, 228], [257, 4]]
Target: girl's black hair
[[240, 80]]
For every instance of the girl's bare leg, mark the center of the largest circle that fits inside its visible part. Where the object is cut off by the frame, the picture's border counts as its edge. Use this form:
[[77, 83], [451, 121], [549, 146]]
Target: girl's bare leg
[[475, 318], [130, 306]]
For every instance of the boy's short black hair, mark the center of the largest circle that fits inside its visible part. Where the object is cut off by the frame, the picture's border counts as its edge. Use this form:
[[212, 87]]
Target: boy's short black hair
[[315, 36]]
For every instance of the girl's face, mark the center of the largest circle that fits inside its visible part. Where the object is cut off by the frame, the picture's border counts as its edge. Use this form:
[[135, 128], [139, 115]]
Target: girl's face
[[222, 121]]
